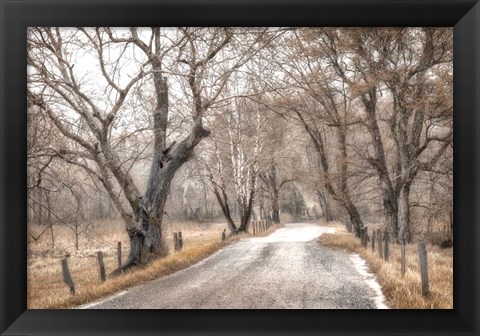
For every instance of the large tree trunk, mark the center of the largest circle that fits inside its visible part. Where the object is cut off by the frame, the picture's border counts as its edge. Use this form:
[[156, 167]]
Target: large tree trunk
[[390, 205], [379, 162], [146, 237], [404, 213]]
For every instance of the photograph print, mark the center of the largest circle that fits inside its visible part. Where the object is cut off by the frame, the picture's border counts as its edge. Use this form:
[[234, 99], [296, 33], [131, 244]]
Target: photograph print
[[240, 168]]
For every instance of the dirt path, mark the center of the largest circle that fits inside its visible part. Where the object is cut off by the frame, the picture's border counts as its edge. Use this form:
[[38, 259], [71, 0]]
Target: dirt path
[[287, 269]]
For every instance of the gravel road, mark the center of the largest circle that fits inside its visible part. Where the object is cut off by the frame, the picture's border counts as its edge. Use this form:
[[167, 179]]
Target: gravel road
[[287, 269]]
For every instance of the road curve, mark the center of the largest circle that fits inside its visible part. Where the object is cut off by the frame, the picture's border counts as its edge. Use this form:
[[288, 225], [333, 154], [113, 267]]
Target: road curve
[[287, 269]]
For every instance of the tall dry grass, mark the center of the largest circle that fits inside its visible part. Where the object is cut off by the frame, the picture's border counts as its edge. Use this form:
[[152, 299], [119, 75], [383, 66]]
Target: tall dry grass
[[45, 287], [404, 293]]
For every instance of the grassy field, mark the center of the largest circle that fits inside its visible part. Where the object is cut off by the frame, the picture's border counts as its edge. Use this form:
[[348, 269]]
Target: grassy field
[[402, 293], [45, 283]]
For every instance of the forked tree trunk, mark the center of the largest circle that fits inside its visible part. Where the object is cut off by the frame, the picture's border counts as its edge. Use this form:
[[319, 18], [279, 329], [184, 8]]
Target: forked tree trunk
[[342, 196], [224, 205], [325, 206], [146, 237]]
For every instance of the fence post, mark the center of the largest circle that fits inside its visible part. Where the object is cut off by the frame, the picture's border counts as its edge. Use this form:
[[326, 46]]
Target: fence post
[[422, 255], [373, 241], [380, 248], [175, 241], [119, 253], [67, 278], [403, 261], [180, 240], [101, 265], [224, 234], [386, 252]]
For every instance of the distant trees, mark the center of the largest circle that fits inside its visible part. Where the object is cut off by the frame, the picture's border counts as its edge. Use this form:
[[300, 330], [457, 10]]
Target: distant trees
[[410, 68], [318, 100], [394, 84]]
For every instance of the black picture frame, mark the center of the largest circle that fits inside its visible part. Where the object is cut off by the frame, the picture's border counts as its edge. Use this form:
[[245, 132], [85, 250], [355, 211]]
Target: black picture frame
[[16, 15]]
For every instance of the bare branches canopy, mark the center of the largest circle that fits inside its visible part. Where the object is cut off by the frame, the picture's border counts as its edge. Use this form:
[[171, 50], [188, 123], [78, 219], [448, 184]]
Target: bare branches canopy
[[356, 120]]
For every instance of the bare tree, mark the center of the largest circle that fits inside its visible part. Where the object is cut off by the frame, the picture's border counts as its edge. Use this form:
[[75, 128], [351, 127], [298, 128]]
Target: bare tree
[[127, 60], [319, 101], [237, 159], [403, 65]]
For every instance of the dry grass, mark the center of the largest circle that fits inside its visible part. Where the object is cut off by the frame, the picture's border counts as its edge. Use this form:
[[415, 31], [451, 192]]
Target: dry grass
[[403, 293], [46, 289], [45, 283]]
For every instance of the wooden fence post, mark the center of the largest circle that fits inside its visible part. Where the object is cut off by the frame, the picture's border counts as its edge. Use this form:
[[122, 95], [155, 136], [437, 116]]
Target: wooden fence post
[[422, 255], [373, 241], [101, 265], [180, 240], [119, 253], [67, 278], [224, 234], [386, 252], [175, 241], [379, 239], [403, 258]]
